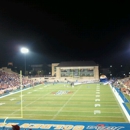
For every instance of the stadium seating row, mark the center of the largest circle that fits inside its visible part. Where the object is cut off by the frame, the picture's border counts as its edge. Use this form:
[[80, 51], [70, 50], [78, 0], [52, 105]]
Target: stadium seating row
[[11, 81]]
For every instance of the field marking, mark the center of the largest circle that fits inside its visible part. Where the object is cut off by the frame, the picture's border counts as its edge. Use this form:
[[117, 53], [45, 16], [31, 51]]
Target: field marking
[[2, 104], [75, 111], [12, 99], [97, 112], [11, 93], [40, 98], [97, 100], [97, 105], [65, 104], [76, 115], [28, 104], [104, 111], [97, 95], [122, 112], [83, 116]]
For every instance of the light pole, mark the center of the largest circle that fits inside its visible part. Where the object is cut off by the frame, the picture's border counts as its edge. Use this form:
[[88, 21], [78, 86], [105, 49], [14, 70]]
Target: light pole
[[24, 51]]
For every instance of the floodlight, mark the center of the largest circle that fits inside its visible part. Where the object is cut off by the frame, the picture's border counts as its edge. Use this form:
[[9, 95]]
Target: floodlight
[[24, 50]]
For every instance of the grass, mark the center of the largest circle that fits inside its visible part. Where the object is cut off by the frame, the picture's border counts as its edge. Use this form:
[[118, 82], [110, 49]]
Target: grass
[[74, 104], [128, 105]]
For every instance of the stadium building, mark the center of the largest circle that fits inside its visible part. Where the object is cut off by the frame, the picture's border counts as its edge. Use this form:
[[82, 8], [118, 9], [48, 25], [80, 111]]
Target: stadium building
[[83, 70]]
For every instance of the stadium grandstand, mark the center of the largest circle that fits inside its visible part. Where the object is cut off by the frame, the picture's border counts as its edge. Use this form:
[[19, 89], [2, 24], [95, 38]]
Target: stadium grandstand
[[10, 81]]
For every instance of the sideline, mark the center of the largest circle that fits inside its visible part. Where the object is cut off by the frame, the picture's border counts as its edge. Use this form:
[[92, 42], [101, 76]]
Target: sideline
[[120, 101], [18, 91]]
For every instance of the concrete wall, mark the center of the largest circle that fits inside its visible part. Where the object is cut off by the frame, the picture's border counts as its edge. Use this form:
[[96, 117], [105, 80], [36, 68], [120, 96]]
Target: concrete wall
[[53, 70], [96, 73]]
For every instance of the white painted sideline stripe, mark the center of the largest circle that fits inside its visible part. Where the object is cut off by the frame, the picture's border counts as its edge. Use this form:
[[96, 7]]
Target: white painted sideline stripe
[[17, 92]]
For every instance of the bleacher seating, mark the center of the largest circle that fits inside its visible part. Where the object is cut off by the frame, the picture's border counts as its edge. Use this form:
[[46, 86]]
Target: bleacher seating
[[11, 81], [123, 85]]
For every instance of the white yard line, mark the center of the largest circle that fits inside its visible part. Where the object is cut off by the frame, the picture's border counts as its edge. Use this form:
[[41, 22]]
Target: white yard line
[[76, 111], [88, 116], [60, 108], [38, 99], [29, 104], [65, 104]]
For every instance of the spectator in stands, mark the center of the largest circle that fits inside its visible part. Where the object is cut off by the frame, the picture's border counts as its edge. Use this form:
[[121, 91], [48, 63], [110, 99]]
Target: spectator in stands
[[123, 85], [11, 81]]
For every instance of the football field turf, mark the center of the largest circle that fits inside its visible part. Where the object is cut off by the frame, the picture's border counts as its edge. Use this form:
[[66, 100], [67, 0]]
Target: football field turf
[[86, 102]]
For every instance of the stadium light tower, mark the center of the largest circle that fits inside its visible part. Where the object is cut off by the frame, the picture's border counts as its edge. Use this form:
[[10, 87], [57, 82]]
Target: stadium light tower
[[24, 51]]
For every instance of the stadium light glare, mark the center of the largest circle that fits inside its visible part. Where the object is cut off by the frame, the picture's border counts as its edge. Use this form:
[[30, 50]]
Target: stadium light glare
[[24, 51]]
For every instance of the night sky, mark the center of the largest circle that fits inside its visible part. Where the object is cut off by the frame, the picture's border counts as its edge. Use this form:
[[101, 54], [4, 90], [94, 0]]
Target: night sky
[[56, 31]]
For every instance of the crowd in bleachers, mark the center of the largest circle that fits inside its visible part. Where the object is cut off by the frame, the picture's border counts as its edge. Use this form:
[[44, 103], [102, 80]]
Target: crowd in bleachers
[[11, 81], [123, 85]]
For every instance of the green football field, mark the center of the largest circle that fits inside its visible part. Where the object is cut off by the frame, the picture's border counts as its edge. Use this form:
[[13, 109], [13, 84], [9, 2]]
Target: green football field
[[86, 102]]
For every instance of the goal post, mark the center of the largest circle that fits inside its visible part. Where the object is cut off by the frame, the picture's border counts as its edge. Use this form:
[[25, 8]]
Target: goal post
[[11, 104], [21, 85]]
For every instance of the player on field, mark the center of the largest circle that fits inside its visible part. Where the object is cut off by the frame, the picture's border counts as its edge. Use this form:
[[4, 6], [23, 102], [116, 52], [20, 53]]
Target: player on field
[[72, 84]]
